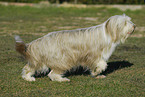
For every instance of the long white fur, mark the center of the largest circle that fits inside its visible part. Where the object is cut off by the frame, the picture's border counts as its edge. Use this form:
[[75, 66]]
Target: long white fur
[[63, 50]]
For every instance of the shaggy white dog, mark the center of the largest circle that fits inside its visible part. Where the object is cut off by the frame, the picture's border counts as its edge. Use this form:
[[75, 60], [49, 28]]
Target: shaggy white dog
[[62, 50]]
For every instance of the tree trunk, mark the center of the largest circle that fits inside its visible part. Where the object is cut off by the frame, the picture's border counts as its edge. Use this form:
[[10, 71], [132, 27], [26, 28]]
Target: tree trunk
[[76, 1], [57, 1]]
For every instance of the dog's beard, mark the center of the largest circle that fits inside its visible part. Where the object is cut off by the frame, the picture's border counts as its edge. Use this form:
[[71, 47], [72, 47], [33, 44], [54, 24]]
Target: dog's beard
[[124, 38]]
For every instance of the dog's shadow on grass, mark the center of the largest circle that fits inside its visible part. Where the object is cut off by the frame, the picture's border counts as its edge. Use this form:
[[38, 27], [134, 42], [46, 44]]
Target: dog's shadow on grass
[[112, 66]]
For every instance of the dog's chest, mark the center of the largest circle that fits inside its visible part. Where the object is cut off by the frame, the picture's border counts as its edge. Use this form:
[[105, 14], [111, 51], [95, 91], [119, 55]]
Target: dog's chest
[[107, 52]]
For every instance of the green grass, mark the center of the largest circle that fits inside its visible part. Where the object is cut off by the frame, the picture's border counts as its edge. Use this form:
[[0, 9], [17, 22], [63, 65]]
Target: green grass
[[125, 73]]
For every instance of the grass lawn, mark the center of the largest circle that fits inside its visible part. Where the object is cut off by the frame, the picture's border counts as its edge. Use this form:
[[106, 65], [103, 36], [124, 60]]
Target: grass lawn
[[125, 73]]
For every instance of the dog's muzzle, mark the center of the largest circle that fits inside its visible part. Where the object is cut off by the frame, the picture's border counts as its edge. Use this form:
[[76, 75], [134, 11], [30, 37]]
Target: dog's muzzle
[[134, 26]]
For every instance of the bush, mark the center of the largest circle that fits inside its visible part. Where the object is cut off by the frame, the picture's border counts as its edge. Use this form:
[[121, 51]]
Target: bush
[[83, 1], [101, 1], [23, 1]]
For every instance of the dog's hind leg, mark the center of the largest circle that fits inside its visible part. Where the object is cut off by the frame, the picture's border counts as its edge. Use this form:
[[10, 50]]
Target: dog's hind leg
[[27, 73], [100, 67], [57, 76]]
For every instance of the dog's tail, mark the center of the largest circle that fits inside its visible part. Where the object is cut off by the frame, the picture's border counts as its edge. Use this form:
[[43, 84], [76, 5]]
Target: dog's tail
[[20, 46]]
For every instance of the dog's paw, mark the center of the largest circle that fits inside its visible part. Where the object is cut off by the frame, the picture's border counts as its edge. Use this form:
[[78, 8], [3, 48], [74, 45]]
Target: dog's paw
[[61, 80], [29, 78], [100, 76], [64, 80]]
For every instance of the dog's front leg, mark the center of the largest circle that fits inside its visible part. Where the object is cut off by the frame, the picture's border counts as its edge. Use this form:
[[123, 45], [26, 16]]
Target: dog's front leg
[[28, 72], [100, 67], [54, 75]]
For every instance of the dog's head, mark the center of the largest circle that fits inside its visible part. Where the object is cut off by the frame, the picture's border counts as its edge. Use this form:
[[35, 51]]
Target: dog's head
[[119, 27]]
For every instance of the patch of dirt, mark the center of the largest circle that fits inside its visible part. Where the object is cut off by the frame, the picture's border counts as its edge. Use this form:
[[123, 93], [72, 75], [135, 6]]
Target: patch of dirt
[[140, 29], [88, 18], [121, 7], [130, 7], [137, 35], [17, 4]]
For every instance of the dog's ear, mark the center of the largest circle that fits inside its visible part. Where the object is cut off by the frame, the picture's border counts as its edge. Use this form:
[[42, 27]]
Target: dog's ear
[[112, 29], [107, 27], [107, 23]]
